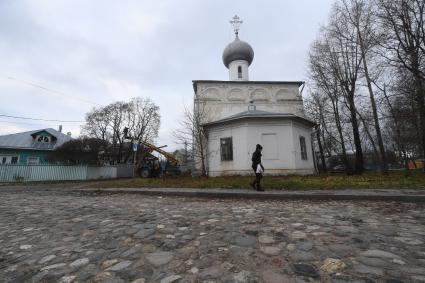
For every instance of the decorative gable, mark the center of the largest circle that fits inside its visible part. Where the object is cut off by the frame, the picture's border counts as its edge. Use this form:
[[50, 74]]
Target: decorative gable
[[43, 140]]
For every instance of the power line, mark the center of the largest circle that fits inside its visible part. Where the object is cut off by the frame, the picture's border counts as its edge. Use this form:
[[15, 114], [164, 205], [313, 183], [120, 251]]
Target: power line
[[56, 92], [40, 119], [33, 123]]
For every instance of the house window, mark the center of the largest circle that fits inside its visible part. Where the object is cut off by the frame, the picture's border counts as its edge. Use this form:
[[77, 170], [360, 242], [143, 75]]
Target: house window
[[226, 149], [33, 160], [239, 72], [8, 159], [43, 139], [303, 148]]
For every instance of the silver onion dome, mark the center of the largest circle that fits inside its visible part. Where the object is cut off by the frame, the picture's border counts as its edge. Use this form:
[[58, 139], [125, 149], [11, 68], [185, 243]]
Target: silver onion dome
[[237, 50]]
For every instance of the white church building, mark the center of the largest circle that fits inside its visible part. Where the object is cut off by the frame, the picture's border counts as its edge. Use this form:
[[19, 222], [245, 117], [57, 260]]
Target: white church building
[[238, 114]]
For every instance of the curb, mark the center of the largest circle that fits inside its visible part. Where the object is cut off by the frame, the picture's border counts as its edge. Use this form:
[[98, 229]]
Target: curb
[[262, 196]]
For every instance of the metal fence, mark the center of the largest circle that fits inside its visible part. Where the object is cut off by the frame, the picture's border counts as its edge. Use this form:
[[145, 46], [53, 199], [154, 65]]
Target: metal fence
[[33, 173], [125, 170], [94, 173]]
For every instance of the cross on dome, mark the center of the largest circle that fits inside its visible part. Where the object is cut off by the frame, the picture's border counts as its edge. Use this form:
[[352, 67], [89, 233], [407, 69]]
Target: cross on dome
[[236, 23], [238, 55]]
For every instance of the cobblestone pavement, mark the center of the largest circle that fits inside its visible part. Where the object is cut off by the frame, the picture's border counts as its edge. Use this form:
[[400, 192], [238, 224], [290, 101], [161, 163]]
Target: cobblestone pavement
[[72, 237]]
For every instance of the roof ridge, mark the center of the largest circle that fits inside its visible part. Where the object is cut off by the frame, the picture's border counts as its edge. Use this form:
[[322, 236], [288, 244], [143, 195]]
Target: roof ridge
[[25, 140], [20, 133]]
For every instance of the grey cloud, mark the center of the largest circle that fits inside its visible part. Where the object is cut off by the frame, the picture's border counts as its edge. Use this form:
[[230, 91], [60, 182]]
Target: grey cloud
[[107, 50]]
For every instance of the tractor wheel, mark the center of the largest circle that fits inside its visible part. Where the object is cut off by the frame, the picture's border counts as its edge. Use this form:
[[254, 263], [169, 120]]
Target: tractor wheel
[[145, 173]]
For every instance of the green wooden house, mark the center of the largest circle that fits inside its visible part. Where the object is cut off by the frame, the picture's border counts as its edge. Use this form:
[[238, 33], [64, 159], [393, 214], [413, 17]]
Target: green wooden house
[[30, 148]]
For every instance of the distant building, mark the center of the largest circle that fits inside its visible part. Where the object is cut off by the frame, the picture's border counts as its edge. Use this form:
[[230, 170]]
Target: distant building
[[239, 113], [30, 148]]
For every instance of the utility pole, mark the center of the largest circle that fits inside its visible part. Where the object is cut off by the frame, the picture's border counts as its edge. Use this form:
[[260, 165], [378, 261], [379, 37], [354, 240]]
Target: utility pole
[[135, 148], [185, 152]]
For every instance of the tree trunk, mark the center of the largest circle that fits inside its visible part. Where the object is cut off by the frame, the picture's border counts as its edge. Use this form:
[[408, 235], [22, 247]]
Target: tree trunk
[[375, 150], [322, 156], [400, 147], [202, 155], [382, 154], [344, 153], [358, 169], [421, 105], [341, 137]]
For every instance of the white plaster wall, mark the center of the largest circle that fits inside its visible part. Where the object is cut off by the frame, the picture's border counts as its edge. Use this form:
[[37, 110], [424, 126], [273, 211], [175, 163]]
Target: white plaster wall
[[298, 130], [233, 70], [216, 167], [245, 135], [273, 159], [220, 100]]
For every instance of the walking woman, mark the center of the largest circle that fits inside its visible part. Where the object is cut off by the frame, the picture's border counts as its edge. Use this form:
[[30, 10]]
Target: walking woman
[[258, 168]]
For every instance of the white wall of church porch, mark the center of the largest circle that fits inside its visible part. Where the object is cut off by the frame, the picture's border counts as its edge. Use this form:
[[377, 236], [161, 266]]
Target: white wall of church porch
[[298, 131], [279, 148]]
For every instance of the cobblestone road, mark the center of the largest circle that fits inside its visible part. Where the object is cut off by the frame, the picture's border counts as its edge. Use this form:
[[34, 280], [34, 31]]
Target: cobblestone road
[[70, 237]]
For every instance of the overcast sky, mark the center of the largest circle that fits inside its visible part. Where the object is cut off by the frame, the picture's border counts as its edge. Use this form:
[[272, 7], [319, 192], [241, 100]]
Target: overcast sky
[[89, 53]]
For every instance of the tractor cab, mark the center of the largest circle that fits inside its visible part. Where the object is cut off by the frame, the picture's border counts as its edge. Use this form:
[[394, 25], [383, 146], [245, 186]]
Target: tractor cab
[[149, 166]]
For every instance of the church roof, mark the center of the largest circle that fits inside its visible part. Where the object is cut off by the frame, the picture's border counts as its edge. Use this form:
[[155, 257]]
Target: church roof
[[252, 114], [195, 82]]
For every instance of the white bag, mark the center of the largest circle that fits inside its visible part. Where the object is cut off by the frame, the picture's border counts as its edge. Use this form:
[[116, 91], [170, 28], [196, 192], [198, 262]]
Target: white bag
[[259, 169]]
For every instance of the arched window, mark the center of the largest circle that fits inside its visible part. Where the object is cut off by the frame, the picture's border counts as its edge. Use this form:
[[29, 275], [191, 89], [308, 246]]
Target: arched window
[[239, 72]]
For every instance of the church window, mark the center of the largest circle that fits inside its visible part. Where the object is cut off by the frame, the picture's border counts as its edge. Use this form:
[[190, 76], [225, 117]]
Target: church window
[[303, 148], [226, 149], [239, 72]]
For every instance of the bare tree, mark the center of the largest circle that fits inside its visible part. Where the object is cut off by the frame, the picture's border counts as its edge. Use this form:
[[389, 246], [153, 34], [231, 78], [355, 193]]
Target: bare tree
[[315, 109], [107, 123], [192, 133], [346, 60], [404, 116], [360, 14], [140, 115], [143, 121], [369, 61], [403, 22], [393, 121], [322, 72]]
